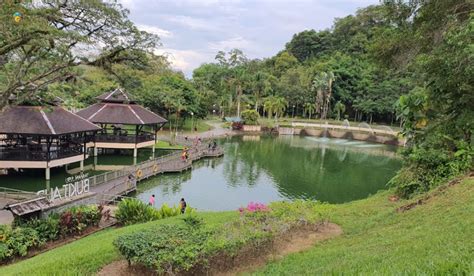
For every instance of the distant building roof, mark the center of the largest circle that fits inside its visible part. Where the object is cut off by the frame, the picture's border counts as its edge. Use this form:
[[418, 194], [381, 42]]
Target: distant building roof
[[42, 120], [118, 113], [116, 96]]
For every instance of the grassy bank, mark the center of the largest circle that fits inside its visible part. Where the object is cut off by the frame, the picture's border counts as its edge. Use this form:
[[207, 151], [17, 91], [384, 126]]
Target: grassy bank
[[433, 238]]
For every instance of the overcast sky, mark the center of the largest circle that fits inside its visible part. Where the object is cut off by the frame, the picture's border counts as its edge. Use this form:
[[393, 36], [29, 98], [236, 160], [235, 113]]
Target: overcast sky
[[192, 31]]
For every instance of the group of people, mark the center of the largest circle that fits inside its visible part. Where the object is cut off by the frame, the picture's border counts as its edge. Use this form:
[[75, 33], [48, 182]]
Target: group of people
[[182, 203], [185, 155]]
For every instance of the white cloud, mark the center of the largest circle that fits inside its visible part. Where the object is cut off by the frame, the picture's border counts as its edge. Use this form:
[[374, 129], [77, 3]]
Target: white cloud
[[231, 43], [155, 30], [184, 60], [190, 22]]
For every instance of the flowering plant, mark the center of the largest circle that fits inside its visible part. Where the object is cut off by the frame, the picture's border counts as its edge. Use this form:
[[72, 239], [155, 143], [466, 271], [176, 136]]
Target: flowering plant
[[253, 207]]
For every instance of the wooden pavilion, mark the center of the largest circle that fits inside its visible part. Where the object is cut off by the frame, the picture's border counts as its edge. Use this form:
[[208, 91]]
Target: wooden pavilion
[[124, 124], [43, 137]]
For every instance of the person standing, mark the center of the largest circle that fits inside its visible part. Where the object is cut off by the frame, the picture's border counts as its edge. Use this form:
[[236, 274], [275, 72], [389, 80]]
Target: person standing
[[182, 205], [151, 201]]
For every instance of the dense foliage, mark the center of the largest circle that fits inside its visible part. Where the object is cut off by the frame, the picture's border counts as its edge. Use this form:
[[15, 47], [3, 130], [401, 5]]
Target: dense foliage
[[34, 233], [183, 246], [131, 211]]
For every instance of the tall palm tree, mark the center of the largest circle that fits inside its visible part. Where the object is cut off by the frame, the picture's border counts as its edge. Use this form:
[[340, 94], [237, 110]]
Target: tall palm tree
[[322, 84]]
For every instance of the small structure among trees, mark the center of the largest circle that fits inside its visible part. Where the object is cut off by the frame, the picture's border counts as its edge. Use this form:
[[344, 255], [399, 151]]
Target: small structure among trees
[[124, 124]]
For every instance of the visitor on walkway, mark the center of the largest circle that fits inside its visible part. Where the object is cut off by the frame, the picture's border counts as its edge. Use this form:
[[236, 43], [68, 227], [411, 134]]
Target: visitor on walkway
[[151, 202], [183, 155], [182, 205], [214, 145]]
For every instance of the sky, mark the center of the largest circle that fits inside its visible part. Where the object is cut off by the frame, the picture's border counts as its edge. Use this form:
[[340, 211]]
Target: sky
[[193, 31]]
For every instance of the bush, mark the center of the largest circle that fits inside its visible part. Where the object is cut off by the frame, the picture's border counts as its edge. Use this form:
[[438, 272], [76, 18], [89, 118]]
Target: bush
[[178, 247], [165, 249], [250, 117], [17, 241], [27, 234], [428, 168], [131, 211], [76, 219]]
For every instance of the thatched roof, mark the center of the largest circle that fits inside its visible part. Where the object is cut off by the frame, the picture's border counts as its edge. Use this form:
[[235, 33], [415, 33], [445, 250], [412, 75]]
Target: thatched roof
[[117, 113], [43, 120], [116, 96]]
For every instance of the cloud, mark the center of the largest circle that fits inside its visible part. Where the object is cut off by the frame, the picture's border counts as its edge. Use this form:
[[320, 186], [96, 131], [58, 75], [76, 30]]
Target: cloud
[[155, 30], [231, 43], [194, 23], [183, 60]]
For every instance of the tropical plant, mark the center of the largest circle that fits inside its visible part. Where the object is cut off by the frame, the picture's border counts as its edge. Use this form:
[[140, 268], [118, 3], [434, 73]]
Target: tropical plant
[[250, 117], [309, 108], [339, 108], [322, 85]]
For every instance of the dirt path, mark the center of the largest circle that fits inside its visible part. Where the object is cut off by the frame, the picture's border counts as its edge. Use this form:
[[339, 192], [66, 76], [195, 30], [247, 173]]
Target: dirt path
[[297, 241]]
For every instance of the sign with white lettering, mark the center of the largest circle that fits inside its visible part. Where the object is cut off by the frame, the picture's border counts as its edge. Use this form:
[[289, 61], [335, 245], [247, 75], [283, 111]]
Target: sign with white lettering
[[75, 186]]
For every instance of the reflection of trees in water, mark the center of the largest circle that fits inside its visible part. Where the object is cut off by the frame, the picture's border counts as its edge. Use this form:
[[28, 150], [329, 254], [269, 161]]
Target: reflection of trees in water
[[240, 173], [308, 173]]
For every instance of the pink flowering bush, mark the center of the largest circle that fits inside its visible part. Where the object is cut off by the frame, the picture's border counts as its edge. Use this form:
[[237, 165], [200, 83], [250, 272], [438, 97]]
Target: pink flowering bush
[[253, 207]]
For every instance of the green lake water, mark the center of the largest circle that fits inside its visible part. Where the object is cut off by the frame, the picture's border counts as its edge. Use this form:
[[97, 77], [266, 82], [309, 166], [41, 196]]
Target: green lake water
[[266, 169]]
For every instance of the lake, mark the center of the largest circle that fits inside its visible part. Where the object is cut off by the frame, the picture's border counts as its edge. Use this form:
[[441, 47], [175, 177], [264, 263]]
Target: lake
[[266, 169]]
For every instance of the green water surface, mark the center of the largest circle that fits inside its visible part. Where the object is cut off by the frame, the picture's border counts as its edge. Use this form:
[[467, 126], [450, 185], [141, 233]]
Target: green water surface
[[266, 169]]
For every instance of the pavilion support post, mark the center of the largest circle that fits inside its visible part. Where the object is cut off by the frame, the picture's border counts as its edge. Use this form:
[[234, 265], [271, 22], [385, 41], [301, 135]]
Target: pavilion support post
[[48, 173], [135, 152], [95, 151], [82, 165]]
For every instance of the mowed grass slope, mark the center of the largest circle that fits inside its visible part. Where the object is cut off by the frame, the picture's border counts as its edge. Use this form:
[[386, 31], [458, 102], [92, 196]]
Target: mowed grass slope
[[433, 238], [88, 255], [436, 238]]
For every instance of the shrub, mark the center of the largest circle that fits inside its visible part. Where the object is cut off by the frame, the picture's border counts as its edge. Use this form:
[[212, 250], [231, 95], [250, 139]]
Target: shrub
[[237, 125], [131, 211], [17, 241], [250, 117], [76, 219], [167, 248], [428, 168]]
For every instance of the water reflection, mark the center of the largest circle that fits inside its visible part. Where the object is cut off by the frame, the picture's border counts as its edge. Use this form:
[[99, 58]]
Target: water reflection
[[269, 169]]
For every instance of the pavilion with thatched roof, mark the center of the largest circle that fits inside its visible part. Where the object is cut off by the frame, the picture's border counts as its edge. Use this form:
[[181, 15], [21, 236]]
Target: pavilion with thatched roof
[[124, 124], [43, 137]]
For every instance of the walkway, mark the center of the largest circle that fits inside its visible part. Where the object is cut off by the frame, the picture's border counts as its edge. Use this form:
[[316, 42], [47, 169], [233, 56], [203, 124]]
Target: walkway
[[106, 187]]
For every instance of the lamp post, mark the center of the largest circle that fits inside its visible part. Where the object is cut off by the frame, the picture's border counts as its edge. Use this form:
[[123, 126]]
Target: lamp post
[[293, 111]]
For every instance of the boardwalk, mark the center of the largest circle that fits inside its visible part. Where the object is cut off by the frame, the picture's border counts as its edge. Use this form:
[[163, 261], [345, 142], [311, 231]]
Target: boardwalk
[[106, 187]]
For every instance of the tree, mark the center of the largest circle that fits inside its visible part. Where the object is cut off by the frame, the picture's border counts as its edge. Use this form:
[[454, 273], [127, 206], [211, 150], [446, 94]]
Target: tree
[[309, 109], [52, 38], [279, 106], [309, 43], [322, 84], [339, 108]]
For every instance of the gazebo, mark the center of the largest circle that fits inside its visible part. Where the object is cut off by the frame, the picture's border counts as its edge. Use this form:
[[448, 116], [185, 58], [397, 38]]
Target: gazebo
[[43, 137], [124, 124]]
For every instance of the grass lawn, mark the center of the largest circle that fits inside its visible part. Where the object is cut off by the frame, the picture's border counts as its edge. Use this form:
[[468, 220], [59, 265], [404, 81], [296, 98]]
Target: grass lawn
[[433, 238], [166, 145]]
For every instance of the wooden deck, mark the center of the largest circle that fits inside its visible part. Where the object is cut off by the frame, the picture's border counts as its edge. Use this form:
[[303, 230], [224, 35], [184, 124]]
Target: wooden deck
[[106, 187]]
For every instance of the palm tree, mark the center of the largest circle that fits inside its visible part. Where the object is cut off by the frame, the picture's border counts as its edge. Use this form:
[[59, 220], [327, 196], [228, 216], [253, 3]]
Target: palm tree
[[309, 109], [339, 107], [268, 106], [279, 106], [322, 84]]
